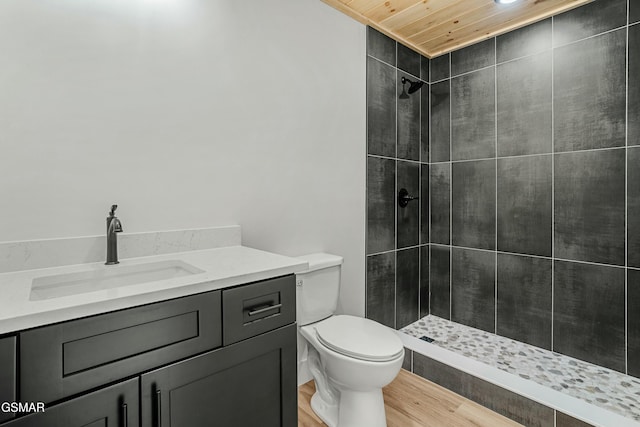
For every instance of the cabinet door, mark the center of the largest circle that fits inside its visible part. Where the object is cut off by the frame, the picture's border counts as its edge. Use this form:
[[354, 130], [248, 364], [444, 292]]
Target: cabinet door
[[115, 406], [7, 373], [251, 383]]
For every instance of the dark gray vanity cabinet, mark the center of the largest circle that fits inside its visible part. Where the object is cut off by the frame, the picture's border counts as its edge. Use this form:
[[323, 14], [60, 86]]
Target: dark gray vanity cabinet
[[224, 358], [251, 383], [7, 373], [114, 406]]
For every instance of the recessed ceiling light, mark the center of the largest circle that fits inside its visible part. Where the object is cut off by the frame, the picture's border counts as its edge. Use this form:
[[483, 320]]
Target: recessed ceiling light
[[505, 1]]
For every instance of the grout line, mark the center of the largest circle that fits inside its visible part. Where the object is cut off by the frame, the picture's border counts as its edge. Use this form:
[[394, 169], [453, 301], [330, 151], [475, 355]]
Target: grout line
[[532, 155], [396, 68], [395, 204], [466, 73], [419, 203], [366, 185], [518, 58], [396, 250], [398, 159], [626, 205], [429, 255], [450, 195], [495, 130], [429, 186], [553, 185], [531, 256], [613, 30]]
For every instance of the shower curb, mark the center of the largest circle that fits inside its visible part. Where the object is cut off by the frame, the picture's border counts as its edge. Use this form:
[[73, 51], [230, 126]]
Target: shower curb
[[521, 400]]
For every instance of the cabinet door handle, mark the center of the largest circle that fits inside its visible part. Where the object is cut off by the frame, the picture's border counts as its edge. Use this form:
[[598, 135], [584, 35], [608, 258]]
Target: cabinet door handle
[[125, 415], [264, 309], [158, 408]]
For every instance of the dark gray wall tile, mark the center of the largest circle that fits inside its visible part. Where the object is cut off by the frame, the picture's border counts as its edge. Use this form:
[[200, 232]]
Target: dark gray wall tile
[[381, 108], [425, 119], [440, 280], [634, 84], [633, 206], [440, 122], [524, 299], [408, 217], [589, 20], [473, 115], [440, 68], [408, 120], [424, 68], [589, 99], [408, 60], [381, 46], [589, 314], [473, 288], [634, 11], [633, 310], [381, 205], [507, 403], [381, 275], [474, 57], [525, 205], [534, 38], [424, 281], [473, 204], [564, 420], [440, 196], [406, 362], [524, 106], [407, 286], [424, 204], [589, 206]]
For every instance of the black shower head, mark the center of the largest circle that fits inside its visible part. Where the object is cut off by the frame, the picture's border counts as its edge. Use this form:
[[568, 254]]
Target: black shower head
[[414, 86]]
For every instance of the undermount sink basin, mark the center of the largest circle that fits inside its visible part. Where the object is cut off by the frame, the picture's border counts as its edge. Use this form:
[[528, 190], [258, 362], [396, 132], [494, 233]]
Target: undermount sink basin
[[108, 277]]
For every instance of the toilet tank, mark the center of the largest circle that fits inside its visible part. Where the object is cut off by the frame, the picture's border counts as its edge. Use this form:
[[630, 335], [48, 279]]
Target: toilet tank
[[318, 288]]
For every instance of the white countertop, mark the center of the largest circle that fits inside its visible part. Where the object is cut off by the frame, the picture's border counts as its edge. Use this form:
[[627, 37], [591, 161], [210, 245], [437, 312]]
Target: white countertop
[[222, 268]]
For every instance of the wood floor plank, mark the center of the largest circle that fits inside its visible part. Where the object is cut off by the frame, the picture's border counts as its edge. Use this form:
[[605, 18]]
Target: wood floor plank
[[412, 401]]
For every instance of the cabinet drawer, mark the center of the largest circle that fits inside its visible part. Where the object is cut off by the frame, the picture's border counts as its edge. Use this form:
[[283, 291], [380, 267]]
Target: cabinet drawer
[[257, 308], [64, 359], [116, 406], [7, 373]]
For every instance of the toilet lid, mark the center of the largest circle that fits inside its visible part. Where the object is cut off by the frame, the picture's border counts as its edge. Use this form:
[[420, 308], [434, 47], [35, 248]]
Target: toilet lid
[[359, 338]]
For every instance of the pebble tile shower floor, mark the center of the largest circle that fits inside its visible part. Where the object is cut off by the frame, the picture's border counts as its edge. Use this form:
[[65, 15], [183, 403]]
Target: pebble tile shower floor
[[599, 386]]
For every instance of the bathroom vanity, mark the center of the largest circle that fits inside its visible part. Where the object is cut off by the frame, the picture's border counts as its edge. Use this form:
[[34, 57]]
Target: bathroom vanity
[[221, 354]]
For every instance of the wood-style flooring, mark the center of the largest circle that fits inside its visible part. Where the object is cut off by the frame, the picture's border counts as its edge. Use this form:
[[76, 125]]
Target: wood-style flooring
[[412, 401]]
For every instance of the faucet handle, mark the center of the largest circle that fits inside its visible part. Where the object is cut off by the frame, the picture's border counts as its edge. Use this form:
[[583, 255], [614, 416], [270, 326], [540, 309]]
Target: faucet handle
[[113, 210]]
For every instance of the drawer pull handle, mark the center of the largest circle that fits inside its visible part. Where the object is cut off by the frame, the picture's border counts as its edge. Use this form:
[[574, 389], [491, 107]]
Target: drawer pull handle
[[264, 309], [158, 408], [125, 415]]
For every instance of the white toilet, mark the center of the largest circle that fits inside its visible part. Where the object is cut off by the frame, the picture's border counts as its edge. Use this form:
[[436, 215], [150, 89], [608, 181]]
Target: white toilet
[[350, 358]]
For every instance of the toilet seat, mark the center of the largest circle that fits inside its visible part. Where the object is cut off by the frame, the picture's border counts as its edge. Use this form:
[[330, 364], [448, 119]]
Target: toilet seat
[[359, 338]]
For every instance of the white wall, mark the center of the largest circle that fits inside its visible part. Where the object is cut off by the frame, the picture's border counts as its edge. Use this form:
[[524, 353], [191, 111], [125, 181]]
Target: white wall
[[186, 113]]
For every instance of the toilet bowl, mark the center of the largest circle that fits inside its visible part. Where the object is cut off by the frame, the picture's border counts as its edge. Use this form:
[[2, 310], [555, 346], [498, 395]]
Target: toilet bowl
[[350, 358]]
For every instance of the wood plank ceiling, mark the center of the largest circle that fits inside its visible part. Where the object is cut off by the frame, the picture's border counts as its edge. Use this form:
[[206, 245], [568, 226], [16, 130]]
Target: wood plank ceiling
[[435, 27]]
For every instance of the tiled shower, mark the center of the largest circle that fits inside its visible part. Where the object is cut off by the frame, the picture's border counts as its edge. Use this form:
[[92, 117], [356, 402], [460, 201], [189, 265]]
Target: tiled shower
[[525, 152]]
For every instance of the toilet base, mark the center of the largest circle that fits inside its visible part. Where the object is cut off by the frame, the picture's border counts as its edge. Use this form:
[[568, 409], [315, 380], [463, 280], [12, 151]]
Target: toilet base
[[327, 413], [356, 409]]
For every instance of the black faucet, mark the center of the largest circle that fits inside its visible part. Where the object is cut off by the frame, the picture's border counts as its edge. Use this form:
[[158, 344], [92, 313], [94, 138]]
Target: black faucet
[[113, 226]]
